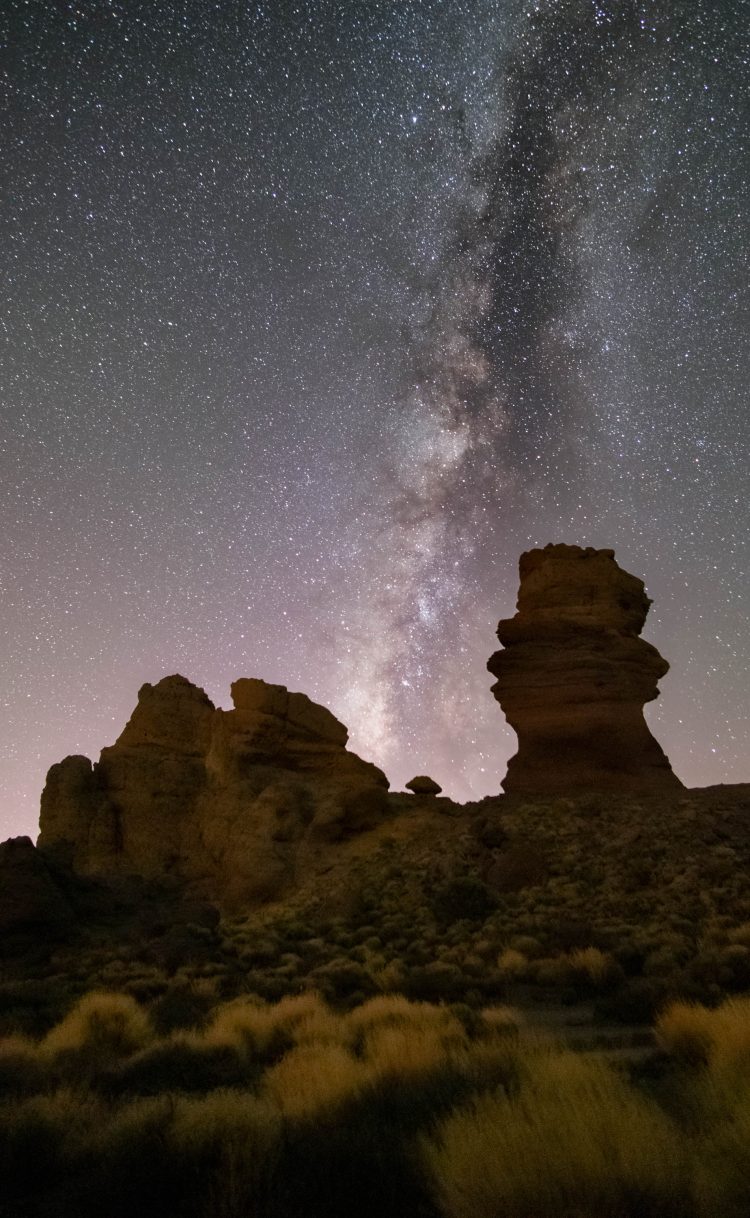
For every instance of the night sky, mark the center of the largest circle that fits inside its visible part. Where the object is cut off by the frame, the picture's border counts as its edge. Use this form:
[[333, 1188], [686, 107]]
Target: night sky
[[317, 314]]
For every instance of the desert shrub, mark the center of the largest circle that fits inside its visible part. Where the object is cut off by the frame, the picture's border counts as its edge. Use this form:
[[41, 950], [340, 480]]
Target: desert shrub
[[594, 969], [519, 866], [250, 1027], [527, 945], [686, 1030], [575, 1140], [463, 897], [722, 1183], [181, 1006], [719, 1039], [512, 964], [343, 981], [309, 1020], [182, 1063], [552, 971], [636, 1000], [314, 1079], [229, 1142], [503, 1022], [130, 1170], [101, 1029], [439, 981], [356, 1155]]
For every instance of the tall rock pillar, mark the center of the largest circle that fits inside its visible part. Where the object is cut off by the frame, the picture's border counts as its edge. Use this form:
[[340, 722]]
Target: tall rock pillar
[[573, 677]]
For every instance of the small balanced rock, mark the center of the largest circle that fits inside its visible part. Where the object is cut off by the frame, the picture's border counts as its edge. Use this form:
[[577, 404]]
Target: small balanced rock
[[423, 785]]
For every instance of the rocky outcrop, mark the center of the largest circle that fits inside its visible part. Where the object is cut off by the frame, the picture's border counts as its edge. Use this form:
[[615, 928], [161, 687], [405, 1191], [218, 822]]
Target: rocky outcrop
[[573, 677], [33, 910], [228, 801], [423, 785]]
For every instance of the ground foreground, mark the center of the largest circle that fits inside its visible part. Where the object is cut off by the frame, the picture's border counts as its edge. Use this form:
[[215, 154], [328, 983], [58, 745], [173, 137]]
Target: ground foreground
[[392, 1108]]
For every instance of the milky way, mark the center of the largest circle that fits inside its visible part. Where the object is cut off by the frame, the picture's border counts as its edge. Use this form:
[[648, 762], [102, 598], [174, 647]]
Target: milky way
[[319, 313]]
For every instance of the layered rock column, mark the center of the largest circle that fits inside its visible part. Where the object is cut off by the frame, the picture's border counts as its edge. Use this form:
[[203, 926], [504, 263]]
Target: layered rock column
[[573, 677]]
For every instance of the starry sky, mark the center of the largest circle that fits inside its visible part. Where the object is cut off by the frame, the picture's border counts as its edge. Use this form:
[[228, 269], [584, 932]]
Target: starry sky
[[319, 312]]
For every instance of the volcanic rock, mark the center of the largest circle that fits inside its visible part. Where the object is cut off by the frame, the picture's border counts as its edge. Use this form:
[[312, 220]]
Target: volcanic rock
[[32, 906], [573, 677], [227, 801], [423, 785]]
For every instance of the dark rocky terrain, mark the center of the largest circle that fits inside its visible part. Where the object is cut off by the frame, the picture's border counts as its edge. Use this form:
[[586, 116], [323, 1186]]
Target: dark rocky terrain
[[249, 849]]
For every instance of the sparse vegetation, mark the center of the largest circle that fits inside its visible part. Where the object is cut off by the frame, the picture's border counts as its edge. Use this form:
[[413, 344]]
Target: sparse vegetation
[[393, 1107]]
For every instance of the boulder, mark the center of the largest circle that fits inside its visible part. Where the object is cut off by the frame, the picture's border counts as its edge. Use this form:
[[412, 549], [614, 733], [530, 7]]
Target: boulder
[[423, 785], [573, 677]]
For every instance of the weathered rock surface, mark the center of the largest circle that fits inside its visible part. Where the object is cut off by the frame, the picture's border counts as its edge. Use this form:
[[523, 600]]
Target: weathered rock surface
[[32, 907], [573, 677], [423, 785], [229, 801]]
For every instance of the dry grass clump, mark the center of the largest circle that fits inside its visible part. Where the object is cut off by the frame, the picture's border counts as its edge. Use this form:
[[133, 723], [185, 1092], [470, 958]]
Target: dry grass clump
[[261, 1031], [232, 1140], [685, 1029], [501, 1022], [699, 1036], [597, 967], [43, 1135], [512, 964], [269, 1102], [101, 1023], [247, 1025], [306, 1017], [576, 1140], [314, 1078], [397, 1037]]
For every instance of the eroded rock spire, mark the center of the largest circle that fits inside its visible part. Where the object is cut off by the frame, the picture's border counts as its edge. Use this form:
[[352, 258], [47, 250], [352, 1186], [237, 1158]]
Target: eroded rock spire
[[573, 677]]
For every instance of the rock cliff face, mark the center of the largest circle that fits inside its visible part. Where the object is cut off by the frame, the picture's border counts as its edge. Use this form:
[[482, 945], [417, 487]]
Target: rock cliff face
[[32, 907], [574, 675], [228, 801]]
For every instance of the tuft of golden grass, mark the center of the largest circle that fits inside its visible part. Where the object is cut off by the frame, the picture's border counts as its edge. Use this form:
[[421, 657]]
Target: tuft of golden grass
[[101, 1022], [512, 964], [247, 1025], [575, 1140], [314, 1078], [504, 1022], [234, 1139], [718, 1039], [597, 966]]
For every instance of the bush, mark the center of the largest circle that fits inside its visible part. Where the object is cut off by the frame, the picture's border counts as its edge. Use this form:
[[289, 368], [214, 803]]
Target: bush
[[312, 1080], [229, 1142], [463, 897], [686, 1030], [182, 1063], [575, 1140], [101, 1029]]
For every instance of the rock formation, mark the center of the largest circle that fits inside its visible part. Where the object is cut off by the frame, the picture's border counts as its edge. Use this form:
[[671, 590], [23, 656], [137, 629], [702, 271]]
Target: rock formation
[[32, 907], [228, 801], [573, 677], [423, 785]]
